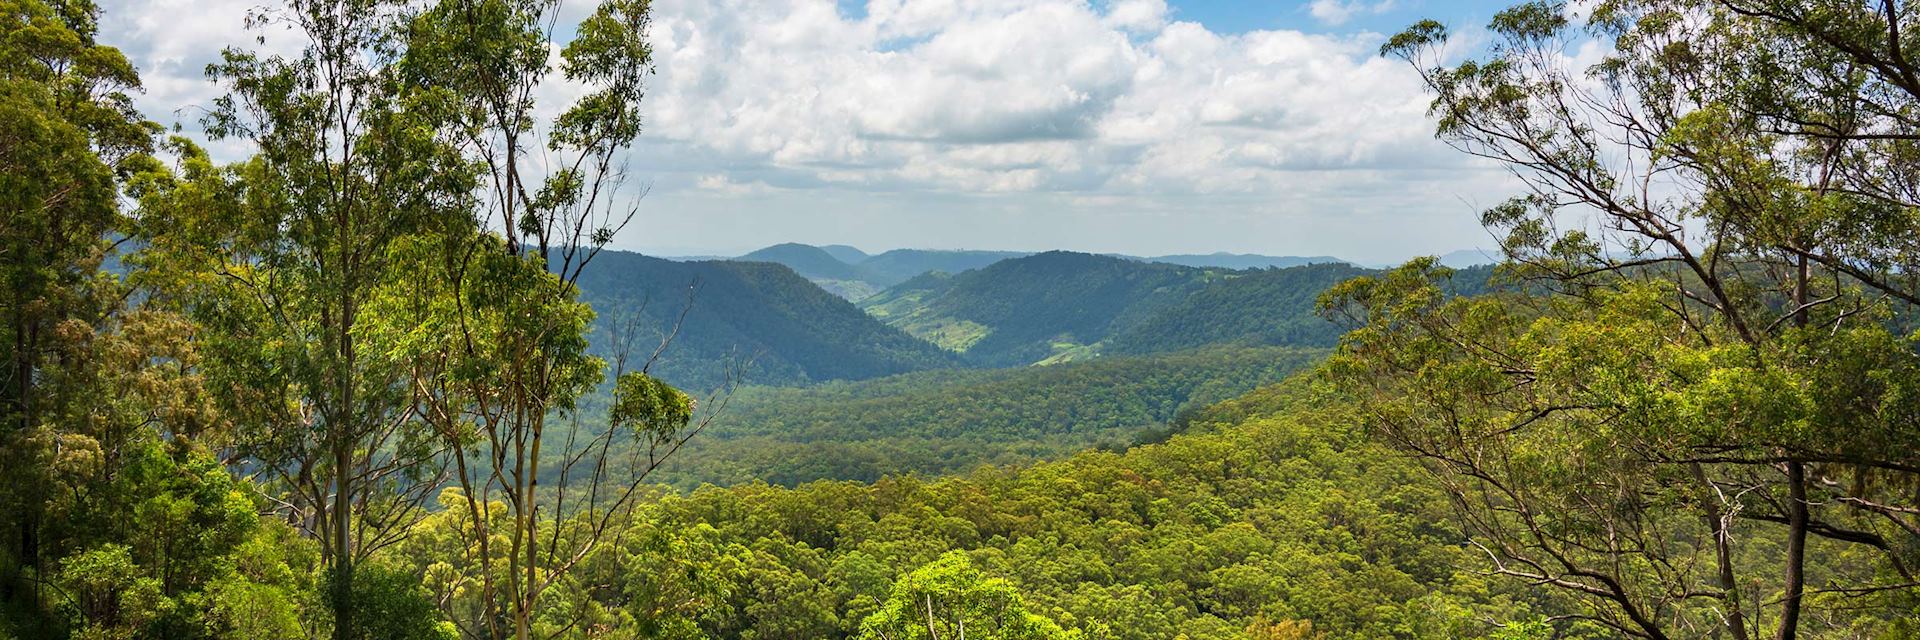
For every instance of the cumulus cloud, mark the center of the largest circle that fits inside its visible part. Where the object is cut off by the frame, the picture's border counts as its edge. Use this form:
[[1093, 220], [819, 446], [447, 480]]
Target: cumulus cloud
[[1338, 12], [173, 41], [1048, 103], [1050, 95], [723, 184]]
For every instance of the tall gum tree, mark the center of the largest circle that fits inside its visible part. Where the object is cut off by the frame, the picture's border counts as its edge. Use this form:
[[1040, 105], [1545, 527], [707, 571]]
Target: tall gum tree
[[68, 132], [538, 485], [350, 168], [1694, 405]]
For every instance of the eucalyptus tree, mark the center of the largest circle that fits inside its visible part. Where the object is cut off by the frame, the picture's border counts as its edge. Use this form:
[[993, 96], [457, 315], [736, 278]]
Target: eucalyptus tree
[[68, 130], [1695, 404], [350, 169], [945, 597], [540, 485]]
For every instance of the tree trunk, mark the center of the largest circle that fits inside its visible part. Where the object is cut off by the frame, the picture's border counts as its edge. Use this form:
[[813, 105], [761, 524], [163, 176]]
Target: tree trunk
[[1796, 550], [342, 554], [1723, 551], [341, 426]]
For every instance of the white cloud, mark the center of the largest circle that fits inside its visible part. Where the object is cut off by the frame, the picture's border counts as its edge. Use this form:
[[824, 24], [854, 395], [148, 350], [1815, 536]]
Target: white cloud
[[1136, 15], [723, 184], [1338, 12], [915, 96], [1040, 105]]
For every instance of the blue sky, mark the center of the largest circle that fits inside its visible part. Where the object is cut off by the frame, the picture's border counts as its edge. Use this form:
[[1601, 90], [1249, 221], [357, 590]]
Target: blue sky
[[1135, 126]]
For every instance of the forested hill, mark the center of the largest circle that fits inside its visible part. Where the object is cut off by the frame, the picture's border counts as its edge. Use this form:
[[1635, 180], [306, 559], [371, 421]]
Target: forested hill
[[845, 253], [1256, 307], [778, 326], [897, 266], [1059, 305], [1030, 309], [937, 422], [807, 260], [1050, 307]]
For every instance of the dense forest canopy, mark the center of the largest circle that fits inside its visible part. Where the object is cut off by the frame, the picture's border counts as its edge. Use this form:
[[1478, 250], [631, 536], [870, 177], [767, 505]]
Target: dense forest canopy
[[950, 421], [380, 378], [1274, 517]]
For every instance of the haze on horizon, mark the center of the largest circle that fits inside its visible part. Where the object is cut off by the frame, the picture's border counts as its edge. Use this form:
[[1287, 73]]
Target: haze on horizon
[[1123, 126]]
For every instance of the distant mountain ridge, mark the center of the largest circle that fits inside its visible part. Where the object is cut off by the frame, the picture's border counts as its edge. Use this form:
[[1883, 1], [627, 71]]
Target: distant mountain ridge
[[807, 260], [1060, 306], [1226, 260], [762, 317], [854, 274], [899, 265], [844, 253], [783, 311]]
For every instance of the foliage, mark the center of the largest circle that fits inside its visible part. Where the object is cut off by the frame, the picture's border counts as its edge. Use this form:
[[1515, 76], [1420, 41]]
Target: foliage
[[1689, 409], [642, 402], [945, 596], [393, 606], [1274, 512], [939, 422], [1260, 307]]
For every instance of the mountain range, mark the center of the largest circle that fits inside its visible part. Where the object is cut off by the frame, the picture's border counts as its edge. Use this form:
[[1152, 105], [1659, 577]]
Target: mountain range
[[780, 316], [1058, 306], [854, 274]]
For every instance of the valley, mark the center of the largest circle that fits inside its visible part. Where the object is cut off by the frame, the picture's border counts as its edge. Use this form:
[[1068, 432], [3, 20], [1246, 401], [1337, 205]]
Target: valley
[[993, 309], [823, 389], [320, 320]]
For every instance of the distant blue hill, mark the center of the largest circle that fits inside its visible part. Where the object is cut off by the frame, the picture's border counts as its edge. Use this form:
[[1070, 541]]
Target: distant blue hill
[[844, 253], [1470, 258], [1224, 260], [838, 267], [899, 265]]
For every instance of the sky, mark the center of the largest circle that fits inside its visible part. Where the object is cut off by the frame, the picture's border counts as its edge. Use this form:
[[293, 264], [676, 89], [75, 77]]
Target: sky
[[1144, 127]]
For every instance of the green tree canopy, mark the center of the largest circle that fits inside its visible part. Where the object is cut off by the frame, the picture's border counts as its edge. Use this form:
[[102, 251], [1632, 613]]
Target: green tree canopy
[[949, 598], [1693, 406]]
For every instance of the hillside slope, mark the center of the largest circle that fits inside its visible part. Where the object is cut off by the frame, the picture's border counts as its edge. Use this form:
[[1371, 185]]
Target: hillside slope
[[1058, 306], [1051, 305], [1257, 307], [809, 261], [897, 266], [778, 326], [937, 422], [845, 253]]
